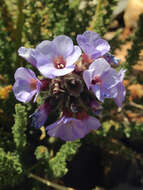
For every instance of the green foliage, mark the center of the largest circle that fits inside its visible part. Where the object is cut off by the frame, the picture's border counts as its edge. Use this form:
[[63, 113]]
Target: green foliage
[[66, 18], [7, 45], [10, 168], [6, 52], [137, 46], [56, 167], [56, 18], [66, 152], [104, 15], [27, 23], [19, 127], [41, 152], [35, 10], [19, 26]]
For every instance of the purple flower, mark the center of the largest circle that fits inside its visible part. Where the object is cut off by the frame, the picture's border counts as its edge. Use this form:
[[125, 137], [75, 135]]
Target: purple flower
[[40, 116], [121, 89], [70, 129], [92, 44], [26, 85], [28, 54], [53, 58], [102, 79], [111, 59]]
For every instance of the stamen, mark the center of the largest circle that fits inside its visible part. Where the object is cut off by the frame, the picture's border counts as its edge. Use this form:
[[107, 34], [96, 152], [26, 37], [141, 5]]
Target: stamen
[[59, 62]]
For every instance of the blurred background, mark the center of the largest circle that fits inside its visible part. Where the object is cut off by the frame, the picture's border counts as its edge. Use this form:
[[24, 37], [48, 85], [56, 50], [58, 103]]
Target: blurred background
[[110, 158]]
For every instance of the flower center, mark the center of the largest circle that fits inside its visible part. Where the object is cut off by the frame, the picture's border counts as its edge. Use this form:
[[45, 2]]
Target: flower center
[[33, 84], [96, 80], [86, 58], [78, 115], [59, 62], [81, 115]]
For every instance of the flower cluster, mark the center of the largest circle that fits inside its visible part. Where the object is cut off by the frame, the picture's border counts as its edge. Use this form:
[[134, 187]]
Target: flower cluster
[[75, 81]]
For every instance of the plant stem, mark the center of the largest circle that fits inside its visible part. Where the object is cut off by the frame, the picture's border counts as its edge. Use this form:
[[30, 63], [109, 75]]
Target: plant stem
[[98, 8], [48, 183], [19, 25], [99, 17], [20, 22], [136, 105]]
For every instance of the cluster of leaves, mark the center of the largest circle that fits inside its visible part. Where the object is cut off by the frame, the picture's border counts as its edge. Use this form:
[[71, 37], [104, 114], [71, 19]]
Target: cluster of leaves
[[6, 51], [13, 163], [21, 150], [104, 15], [133, 53], [56, 18], [10, 168]]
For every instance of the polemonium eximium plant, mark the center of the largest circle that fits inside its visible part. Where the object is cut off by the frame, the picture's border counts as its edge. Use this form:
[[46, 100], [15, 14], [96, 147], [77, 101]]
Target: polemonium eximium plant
[[74, 83]]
